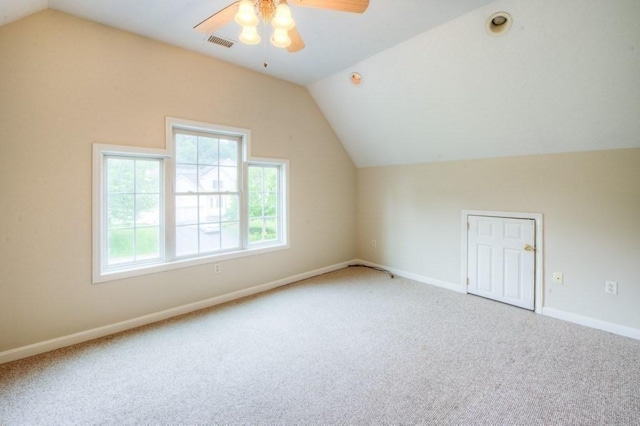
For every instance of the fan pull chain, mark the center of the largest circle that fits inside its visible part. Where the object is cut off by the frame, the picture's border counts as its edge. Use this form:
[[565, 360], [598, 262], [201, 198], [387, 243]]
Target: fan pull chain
[[266, 42]]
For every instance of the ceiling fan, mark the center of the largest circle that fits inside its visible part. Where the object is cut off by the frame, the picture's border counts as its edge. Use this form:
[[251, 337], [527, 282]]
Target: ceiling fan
[[248, 14]]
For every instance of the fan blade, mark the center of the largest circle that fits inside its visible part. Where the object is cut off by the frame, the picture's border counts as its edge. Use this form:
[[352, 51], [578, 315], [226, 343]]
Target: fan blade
[[354, 6], [218, 20], [297, 44]]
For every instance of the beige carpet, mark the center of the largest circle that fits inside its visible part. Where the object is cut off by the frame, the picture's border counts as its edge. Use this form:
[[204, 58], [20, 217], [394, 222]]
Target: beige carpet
[[350, 347]]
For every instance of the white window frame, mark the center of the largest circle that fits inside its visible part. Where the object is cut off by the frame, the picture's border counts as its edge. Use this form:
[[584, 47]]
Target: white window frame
[[102, 274]]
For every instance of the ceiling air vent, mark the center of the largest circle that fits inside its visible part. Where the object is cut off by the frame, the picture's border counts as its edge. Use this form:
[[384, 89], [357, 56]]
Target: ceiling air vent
[[220, 41]]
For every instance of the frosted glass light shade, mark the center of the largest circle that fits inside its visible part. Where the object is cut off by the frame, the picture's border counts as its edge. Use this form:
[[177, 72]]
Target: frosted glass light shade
[[280, 38], [249, 35], [246, 15], [283, 18]]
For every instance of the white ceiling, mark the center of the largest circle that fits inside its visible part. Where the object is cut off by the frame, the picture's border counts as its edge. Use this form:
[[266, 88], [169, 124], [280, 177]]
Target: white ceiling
[[565, 78], [437, 86], [334, 40]]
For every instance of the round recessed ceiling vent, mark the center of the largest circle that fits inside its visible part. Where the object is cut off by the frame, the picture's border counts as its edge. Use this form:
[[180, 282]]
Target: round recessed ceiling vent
[[356, 79], [499, 23]]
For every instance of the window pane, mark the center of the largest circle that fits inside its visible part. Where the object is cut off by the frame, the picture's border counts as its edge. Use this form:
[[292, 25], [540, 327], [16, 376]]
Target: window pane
[[147, 209], [147, 243], [255, 179], [207, 150], [186, 178], [255, 204], [270, 179], [230, 207], [209, 237], [229, 178], [147, 176], [270, 229], [209, 208], [270, 204], [230, 235], [120, 246], [120, 211], [207, 178], [186, 240], [120, 175], [255, 230], [228, 152], [186, 148], [186, 209]]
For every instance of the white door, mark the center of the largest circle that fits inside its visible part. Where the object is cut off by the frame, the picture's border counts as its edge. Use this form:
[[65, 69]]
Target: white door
[[501, 259]]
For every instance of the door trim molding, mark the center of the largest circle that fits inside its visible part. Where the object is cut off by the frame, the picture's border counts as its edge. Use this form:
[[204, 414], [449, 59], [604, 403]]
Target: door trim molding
[[539, 269]]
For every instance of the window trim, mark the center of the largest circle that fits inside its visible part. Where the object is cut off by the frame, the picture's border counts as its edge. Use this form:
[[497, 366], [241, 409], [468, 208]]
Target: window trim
[[166, 155]]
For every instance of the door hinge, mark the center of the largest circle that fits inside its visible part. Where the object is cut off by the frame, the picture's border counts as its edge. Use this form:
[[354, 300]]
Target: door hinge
[[467, 280]]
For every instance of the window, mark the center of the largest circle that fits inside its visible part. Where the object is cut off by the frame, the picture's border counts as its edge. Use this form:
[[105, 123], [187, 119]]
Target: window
[[207, 216], [202, 199], [264, 203], [133, 210]]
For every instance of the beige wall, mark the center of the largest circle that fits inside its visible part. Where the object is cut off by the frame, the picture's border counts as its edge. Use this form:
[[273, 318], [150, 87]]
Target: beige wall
[[66, 83], [590, 203]]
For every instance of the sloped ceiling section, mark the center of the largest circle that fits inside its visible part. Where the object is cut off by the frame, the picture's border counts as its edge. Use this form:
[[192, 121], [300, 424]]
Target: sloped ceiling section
[[565, 78], [333, 39]]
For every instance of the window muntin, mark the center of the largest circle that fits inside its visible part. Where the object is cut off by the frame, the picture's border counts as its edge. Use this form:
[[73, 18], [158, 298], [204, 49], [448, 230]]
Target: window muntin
[[133, 211]]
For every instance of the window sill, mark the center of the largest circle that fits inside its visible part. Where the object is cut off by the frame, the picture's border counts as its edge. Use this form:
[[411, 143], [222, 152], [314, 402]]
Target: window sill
[[101, 277]]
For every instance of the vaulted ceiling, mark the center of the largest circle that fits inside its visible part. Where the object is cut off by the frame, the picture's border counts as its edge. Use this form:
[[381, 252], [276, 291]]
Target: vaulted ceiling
[[436, 85], [334, 40]]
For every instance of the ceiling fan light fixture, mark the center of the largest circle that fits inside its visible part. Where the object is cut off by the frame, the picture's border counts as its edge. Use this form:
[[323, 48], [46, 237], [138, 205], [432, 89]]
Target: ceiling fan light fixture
[[280, 38], [283, 18], [249, 35], [246, 16]]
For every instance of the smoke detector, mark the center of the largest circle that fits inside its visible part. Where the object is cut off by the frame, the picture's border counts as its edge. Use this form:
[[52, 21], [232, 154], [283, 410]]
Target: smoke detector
[[356, 79]]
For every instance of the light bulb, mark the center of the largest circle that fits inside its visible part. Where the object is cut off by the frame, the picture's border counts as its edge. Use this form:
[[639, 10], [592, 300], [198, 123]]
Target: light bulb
[[283, 18], [280, 38], [246, 15], [249, 35]]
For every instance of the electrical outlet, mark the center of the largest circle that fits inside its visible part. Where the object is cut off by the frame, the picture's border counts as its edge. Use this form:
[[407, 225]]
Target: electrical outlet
[[558, 277], [611, 287], [216, 268], [374, 243]]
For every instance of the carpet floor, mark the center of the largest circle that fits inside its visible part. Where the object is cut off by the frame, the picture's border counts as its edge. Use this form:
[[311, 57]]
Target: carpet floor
[[350, 347]]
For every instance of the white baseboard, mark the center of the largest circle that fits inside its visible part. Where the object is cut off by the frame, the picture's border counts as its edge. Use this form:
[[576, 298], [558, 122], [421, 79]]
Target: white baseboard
[[621, 330], [420, 278], [84, 336]]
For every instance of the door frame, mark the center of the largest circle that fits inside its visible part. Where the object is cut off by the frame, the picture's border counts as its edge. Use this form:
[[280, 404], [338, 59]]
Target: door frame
[[539, 268]]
